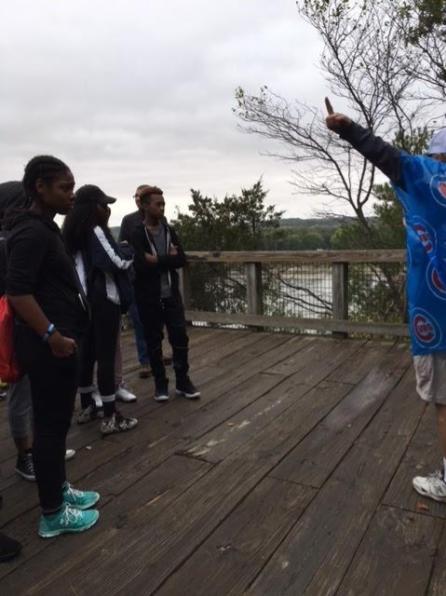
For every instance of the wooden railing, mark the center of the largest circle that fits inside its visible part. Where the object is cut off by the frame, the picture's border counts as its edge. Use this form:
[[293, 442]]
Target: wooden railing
[[252, 263]]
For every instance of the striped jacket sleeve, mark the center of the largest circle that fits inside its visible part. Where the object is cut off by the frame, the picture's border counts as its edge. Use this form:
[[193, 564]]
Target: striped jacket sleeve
[[106, 256]]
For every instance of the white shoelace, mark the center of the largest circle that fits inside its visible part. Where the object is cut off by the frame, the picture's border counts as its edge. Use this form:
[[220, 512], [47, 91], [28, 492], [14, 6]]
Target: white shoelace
[[73, 492], [70, 516]]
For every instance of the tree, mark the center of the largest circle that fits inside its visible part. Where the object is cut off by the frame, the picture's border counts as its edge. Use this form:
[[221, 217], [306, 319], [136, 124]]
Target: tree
[[423, 27], [371, 61], [366, 63], [238, 222]]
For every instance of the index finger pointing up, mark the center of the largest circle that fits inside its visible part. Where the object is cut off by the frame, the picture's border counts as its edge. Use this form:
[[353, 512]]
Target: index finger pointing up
[[329, 106]]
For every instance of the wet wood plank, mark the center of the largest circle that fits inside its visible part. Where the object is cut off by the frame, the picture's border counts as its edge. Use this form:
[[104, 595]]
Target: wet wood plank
[[395, 557], [49, 561], [421, 458], [313, 460], [318, 551], [233, 555], [303, 437]]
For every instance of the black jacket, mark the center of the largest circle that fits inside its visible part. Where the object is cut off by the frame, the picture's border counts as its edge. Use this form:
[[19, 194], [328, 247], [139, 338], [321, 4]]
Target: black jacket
[[128, 225], [148, 277], [106, 269], [39, 264]]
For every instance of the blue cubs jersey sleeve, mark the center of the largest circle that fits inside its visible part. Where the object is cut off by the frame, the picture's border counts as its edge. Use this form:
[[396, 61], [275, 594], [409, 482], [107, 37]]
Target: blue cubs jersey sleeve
[[422, 193]]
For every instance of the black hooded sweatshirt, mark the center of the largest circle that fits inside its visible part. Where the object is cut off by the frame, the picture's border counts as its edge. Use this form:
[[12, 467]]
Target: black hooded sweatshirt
[[39, 264], [147, 281]]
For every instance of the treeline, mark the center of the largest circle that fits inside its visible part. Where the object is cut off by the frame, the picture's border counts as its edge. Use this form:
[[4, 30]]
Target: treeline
[[244, 222]]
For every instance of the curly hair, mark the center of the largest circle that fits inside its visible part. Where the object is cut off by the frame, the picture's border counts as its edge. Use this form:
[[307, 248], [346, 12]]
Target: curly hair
[[147, 191]]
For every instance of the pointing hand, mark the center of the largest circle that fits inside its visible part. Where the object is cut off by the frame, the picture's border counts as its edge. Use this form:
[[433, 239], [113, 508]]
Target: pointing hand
[[335, 121]]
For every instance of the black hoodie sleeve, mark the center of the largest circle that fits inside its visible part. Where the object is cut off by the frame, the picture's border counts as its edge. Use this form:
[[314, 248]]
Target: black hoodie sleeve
[[165, 262], [138, 242], [384, 156], [27, 250], [172, 261]]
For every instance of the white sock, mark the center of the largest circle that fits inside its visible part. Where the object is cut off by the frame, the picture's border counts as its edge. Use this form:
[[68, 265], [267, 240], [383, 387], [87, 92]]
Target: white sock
[[444, 469]]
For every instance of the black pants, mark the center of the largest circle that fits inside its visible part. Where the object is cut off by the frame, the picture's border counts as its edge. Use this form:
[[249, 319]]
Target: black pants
[[168, 312], [53, 390], [99, 346]]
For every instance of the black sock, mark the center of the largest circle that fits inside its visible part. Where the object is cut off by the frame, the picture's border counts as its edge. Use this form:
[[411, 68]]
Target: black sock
[[87, 400], [109, 408]]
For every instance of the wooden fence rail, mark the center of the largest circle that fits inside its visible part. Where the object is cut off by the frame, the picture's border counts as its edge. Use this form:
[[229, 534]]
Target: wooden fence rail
[[253, 262]]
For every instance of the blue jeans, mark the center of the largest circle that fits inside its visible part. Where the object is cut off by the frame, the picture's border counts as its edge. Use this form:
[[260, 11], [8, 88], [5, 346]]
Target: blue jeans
[[141, 346]]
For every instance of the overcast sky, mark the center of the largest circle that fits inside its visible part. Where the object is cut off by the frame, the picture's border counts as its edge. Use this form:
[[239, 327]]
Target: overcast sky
[[142, 91]]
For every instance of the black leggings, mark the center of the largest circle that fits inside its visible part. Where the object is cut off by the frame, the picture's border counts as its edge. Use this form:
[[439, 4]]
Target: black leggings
[[53, 390], [100, 346]]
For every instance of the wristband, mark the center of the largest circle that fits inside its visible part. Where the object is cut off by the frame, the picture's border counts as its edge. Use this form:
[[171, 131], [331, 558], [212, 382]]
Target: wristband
[[49, 332]]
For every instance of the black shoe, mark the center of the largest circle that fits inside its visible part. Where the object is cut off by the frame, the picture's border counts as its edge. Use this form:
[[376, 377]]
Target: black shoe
[[187, 389], [9, 548], [25, 467], [161, 391]]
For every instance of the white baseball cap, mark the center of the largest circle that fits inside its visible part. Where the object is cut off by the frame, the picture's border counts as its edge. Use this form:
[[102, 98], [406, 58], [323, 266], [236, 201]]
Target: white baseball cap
[[438, 142]]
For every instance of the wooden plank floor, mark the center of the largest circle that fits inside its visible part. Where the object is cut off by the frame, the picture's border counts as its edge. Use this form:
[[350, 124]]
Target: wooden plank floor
[[292, 475]]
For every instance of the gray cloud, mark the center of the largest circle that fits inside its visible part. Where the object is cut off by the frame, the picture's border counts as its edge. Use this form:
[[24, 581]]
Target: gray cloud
[[137, 91]]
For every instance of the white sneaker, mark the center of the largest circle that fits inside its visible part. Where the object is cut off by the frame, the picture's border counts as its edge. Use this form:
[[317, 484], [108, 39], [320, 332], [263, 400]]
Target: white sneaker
[[161, 392], [123, 394], [88, 414], [432, 486], [69, 454], [97, 399]]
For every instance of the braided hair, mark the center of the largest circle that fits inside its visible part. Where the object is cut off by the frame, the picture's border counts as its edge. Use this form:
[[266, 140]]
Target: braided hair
[[45, 167]]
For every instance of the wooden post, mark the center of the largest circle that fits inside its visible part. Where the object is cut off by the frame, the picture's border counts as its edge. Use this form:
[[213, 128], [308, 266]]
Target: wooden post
[[254, 288], [184, 274], [340, 293]]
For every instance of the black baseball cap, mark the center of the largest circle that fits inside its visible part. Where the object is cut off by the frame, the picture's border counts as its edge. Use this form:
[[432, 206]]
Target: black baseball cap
[[89, 193]]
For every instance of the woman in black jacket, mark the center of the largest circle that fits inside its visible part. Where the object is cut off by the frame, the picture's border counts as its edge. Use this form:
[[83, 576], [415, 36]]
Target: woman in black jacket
[[102, 268], [44, 291]]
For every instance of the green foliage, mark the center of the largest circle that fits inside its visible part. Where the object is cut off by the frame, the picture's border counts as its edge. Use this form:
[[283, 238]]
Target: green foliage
[[425, 17], [238, 222]]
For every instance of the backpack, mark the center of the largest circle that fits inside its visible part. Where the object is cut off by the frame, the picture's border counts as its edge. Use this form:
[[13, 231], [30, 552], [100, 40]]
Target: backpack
[[9, 369]]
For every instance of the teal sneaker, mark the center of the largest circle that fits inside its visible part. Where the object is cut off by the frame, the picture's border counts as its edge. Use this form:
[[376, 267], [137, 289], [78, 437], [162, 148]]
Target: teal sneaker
[[67, 520], [79, 499]]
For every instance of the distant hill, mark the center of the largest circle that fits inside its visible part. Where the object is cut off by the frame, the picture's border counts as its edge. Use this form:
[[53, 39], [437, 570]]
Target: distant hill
[[327, 223], [317, 222]]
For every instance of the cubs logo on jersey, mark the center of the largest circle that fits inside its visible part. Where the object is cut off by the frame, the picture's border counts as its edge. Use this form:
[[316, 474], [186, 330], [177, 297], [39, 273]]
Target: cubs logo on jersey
[[426, 234], [425, 328], [438, 189], [434, 282]]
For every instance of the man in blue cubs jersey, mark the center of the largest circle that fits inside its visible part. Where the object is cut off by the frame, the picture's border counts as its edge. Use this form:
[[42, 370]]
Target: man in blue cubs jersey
[[419, 182]]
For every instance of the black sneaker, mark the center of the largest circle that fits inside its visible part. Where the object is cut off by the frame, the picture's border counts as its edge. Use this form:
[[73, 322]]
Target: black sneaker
[[9, 548], [161, 391], [187, 389], [25, 467]]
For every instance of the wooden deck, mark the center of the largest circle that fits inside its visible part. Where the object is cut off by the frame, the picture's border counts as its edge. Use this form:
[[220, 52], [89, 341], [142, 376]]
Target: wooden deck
[[292, 475]]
